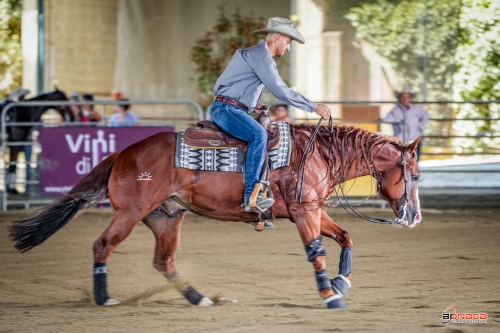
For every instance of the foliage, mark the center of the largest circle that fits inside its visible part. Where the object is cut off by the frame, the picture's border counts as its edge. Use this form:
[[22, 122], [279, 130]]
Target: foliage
[[463, 49], [212, 52], [478, 63], [10, 45], [400, 29]]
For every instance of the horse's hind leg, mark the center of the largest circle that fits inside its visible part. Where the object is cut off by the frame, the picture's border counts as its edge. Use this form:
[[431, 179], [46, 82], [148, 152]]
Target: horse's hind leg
[[167, 231], [341, 283], [119, 229]]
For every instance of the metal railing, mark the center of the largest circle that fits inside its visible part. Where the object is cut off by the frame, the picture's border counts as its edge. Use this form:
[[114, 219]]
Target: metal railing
[[434, 139], [27, 201], [432, 135]]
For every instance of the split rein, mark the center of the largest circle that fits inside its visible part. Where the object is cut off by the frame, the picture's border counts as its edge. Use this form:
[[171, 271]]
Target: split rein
[[349, 208]]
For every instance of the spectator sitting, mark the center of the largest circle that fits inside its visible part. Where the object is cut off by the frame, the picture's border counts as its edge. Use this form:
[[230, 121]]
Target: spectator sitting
[[121, 117], [416, 118], [281, 113], [88, 113]]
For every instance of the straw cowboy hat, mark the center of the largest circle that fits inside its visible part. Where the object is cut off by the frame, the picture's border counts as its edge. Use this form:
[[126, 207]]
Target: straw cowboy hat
[[281, 26], [406, 90]]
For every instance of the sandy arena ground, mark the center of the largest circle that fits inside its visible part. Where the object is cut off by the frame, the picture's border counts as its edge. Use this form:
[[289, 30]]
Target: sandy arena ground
[[403, 279]]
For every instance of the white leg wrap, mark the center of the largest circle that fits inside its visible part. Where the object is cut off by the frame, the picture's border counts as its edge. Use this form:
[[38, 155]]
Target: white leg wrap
[[205, 301], [110, 302]]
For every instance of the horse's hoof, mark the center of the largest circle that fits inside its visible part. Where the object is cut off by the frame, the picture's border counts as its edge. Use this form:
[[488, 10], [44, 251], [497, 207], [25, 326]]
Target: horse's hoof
[[335, 302], [110, 302], [205, 301]]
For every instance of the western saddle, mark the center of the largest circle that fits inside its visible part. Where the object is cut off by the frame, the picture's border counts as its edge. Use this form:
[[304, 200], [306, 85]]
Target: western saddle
[[208, 136]]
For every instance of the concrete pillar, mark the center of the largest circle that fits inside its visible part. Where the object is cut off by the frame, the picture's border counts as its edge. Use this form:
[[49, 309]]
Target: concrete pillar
[[29, 38], [332, 50], [309, 58]]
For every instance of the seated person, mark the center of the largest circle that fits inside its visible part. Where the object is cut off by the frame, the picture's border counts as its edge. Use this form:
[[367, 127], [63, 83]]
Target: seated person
[[281, 113], [121, 117], [88, 113]]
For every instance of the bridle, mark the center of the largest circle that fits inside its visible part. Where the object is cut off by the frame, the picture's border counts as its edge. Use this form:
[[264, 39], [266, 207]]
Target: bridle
[[348, 208]]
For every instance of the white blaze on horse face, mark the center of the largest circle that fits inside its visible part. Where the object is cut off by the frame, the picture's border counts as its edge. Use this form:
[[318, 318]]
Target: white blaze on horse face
[[418, 216]]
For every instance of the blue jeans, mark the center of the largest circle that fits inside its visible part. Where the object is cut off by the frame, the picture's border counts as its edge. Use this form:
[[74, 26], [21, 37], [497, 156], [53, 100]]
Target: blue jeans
[[240, 124]]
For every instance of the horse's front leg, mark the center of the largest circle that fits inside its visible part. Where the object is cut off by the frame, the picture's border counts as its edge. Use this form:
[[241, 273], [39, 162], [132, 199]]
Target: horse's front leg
[[341, 283], [309, 225]]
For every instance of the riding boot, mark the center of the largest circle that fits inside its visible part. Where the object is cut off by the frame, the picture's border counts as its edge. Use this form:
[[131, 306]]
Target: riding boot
[[262, 203]]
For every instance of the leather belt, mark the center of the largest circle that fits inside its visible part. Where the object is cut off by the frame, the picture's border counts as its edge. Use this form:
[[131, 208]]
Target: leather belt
[[231, 101]]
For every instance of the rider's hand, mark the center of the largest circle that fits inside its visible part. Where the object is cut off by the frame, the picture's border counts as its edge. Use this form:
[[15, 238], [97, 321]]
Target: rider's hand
[[323, 111], [261, 108]]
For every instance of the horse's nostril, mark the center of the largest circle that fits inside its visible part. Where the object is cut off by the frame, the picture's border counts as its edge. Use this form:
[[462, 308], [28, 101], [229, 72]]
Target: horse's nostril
[[418, 218]]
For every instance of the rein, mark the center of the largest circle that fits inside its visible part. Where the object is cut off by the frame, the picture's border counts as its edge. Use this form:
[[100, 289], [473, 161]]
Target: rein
[[350, 209]]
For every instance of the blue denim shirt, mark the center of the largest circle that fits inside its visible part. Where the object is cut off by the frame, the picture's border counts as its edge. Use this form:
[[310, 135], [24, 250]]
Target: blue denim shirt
[[130, 120], [252, 69]]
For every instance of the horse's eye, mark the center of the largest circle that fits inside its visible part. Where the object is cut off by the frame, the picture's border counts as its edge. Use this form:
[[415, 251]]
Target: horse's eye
[[415, 177]]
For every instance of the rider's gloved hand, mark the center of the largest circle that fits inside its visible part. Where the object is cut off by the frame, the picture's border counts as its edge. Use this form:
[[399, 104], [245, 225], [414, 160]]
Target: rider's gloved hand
[[323, 111]]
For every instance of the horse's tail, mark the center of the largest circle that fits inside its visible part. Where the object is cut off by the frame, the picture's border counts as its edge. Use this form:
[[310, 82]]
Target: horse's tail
[[26, 234]]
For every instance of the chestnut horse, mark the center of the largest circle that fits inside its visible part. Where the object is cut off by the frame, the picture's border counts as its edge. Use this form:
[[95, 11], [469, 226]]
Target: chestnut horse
[[143, 184]]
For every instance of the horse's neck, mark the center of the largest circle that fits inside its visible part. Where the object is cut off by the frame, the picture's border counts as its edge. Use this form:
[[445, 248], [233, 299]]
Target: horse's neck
[[36, 113], [353, 167]]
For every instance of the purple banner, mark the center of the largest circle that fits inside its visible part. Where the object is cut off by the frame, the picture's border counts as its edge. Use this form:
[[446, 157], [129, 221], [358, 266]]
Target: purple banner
[[69, 153]]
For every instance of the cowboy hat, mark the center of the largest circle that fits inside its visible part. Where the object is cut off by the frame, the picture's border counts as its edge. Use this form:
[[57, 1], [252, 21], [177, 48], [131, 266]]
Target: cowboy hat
[[281, 26], [406, 90]]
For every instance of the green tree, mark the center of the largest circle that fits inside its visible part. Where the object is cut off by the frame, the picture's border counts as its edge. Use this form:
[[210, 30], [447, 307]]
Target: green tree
[[478, 68], [462, 47], [10, 45], [212, 52], [399, 30]]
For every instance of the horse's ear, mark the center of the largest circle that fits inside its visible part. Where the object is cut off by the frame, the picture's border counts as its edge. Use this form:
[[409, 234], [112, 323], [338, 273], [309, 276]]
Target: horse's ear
[[56, 89], [413, 145]]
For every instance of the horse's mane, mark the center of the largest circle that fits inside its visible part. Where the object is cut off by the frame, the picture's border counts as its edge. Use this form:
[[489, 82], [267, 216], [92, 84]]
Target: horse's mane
[[363, 140], [345, 141]]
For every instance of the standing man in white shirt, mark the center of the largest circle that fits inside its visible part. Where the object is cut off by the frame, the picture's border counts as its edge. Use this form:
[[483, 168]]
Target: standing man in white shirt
[[416, 118]]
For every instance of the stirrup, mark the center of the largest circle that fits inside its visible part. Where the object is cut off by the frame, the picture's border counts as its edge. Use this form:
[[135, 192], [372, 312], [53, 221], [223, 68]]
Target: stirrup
[[261, 225]]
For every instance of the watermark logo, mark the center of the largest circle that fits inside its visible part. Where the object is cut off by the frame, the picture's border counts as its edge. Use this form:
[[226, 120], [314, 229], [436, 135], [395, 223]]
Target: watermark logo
[[462, 318], [145, 176]]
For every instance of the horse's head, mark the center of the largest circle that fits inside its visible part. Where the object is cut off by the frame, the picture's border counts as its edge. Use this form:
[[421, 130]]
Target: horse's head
[[396, 171]]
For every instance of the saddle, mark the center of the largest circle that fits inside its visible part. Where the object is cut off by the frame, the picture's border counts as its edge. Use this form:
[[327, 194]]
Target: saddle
[[207, 135]]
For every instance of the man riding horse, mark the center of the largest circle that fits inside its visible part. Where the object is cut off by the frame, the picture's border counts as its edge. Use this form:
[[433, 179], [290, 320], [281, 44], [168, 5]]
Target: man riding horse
[[239, 88]]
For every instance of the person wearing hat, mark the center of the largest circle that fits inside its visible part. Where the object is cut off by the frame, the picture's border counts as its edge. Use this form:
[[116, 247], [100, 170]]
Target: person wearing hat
[[237, 92], [416, 118]]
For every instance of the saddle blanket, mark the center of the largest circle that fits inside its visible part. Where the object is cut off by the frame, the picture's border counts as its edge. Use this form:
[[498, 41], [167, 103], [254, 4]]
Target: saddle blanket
[[230, 160]]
